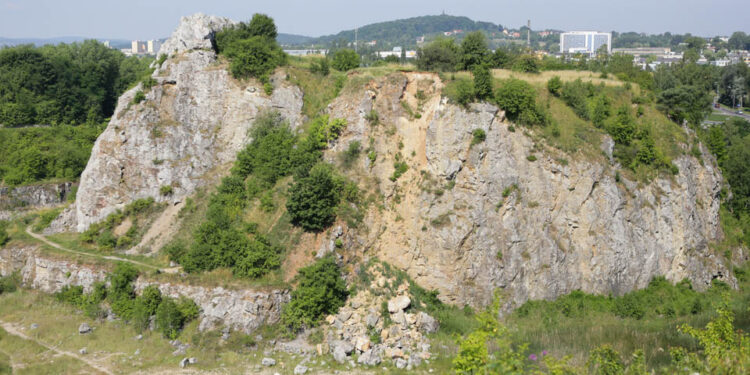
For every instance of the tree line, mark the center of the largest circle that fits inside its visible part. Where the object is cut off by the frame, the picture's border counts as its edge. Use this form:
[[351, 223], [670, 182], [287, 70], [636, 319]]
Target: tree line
[[64, 84]]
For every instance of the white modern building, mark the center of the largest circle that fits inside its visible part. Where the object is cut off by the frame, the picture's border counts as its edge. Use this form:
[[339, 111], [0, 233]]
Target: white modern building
[[152, 47], [587, 42], [138, 47]]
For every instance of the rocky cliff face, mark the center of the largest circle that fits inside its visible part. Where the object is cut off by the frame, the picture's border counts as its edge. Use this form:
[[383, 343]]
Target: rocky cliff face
[[471, 219], [466, 220], [242, 310], [188, 129], [32, 197]]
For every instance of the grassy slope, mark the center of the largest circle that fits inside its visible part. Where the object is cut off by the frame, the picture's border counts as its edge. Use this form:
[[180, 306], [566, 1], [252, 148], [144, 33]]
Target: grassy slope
[[592, 322]]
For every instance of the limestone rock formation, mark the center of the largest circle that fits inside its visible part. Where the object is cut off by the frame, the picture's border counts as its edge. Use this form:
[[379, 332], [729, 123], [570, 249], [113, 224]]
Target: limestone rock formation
[[185, 133], [46, 274], [36, 196], [242, 310], [468, 220], [194, 32], [16, 199]]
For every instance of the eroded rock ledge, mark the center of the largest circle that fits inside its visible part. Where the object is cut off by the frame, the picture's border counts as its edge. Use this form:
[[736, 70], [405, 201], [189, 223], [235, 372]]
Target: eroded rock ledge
[[241, 310]]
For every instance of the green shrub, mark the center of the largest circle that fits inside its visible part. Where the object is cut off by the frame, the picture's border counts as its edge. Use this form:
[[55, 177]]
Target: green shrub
[[151, 298], [372, 117], [320, 66], [138, 206], [10, 283], [266, 202], [605, 361], [312, 199], [251, 48], [72, 294], [4, 237], [345, 60], [166, 190], [623, 127], [175, 251], [45, 218], [441, 55], [320, 291], [188, 309], [575, 94], [148, 83], [351, 154], [463, 93], [162, 58], [139, 97], [526, 64], [400, 167], [482, 82], [472, 354], [141, 317], [518, 99], [554, 85], [254, 57], [106, 240], [478, 136], [268, 88], [168, 319], [269, 156]]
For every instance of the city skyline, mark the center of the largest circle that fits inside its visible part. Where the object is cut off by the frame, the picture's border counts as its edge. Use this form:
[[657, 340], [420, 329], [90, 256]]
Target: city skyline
[[143, 20]]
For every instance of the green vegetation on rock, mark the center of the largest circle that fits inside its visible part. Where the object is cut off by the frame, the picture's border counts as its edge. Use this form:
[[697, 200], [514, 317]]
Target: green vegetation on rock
[[320, 291], [251, 48]]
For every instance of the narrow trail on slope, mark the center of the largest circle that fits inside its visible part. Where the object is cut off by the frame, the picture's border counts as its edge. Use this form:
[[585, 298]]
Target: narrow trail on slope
[[13, 330], [108, 257]]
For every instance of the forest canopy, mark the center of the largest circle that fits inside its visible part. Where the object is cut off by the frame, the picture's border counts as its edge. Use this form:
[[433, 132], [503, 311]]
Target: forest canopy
[[64, 84]]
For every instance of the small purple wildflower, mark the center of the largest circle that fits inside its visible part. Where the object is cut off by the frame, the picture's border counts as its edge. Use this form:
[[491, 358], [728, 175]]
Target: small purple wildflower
[[532, 357], [544, 352]]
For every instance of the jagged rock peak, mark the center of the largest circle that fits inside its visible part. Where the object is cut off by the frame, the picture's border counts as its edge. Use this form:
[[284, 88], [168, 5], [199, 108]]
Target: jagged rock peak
[[194, 32]]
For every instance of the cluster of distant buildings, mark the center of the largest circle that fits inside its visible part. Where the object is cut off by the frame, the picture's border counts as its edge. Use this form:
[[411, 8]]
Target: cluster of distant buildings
[[590, 42], [140, 47], [585, 42]]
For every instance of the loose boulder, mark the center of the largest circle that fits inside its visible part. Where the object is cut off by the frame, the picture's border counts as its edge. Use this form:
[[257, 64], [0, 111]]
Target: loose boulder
[[399, 303]]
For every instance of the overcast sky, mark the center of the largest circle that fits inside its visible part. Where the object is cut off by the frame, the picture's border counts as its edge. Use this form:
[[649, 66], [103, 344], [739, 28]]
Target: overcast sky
[[149, 19]]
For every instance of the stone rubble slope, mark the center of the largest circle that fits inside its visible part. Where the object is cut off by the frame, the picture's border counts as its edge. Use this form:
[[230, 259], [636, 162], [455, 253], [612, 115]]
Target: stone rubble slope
[[184, 135], [467, 220], [361, 327]]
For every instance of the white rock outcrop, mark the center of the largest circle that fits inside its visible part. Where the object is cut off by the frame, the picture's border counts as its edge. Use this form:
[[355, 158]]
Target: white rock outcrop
[[194, 32], [185, 133], [468, 220]]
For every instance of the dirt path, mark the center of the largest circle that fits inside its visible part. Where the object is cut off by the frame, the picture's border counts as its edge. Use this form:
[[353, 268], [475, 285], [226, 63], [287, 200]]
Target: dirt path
[[13, 330], [108, 257]]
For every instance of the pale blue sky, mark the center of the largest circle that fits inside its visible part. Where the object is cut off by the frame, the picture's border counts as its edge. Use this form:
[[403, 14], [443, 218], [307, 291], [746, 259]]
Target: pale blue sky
[[147, 19]]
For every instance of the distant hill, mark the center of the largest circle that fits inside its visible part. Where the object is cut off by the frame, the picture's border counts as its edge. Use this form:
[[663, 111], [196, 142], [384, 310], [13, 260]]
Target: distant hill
[[293, 39], [406, 31]]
